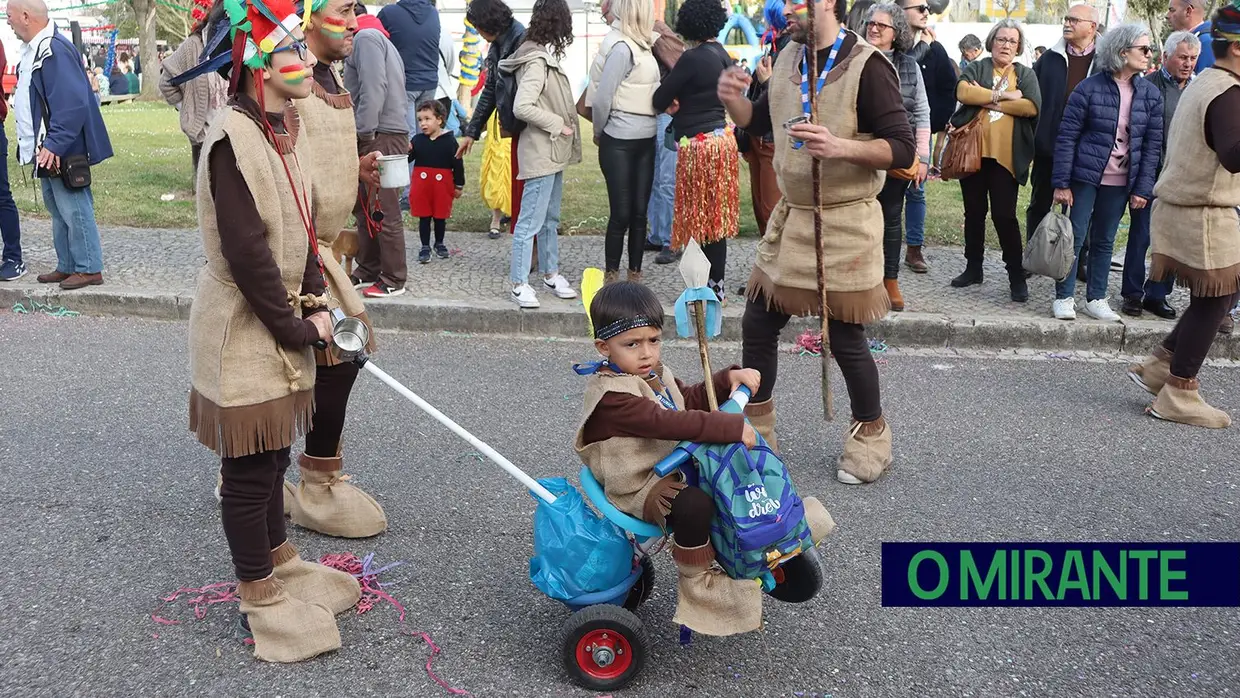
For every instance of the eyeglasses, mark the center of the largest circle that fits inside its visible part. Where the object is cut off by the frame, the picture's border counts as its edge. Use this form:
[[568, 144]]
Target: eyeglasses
[[1077, 20], [1007, 41], [298, 46], [1145, 50], [878, 25], [924, 9]]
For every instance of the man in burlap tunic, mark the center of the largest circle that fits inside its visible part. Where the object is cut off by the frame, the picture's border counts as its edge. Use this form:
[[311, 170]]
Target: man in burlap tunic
[[1196, 230], [860, 131]]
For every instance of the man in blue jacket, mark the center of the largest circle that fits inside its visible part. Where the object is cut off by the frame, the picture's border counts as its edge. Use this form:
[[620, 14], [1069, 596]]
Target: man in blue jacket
[[1190, 16], [58, 123], [413, 28]]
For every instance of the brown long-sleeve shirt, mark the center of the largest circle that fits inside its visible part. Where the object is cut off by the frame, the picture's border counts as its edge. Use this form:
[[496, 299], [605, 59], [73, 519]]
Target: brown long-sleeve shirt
[[1223, 128], [622, 414], [243, 243]]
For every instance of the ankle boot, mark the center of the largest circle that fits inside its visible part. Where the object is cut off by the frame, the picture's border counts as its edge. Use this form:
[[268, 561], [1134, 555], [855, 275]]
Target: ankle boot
[[1018, 286], [893, 294], [867, 452], [285, 629], [819, 519], [709, 601], [761, 416], [972, 275], [634, 276], [1153, 372], [611, 276], [327, 503], [915, 261], [1180, 401], [313, 583]]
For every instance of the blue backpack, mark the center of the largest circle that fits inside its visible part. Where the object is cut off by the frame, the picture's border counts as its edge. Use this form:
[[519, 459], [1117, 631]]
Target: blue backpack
[[760, 520]]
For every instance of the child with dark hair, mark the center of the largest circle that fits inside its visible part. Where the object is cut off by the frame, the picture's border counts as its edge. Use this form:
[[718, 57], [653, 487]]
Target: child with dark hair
[[438, 177], [635, 413]]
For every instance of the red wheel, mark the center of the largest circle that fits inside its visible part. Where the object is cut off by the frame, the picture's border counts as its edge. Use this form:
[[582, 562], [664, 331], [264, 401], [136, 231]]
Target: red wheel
[[603, 647], [604, 655]]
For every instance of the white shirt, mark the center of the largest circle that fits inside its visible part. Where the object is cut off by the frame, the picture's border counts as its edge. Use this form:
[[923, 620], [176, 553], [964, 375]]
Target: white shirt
[[21, 95]]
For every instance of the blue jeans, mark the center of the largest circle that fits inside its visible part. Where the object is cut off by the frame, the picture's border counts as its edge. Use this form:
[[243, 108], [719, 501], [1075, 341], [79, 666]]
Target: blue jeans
[[1135, 283], [915, 215], [1106, 207], [663, 193], [540, 216], [74, 233], [10, 225], [413, 99]]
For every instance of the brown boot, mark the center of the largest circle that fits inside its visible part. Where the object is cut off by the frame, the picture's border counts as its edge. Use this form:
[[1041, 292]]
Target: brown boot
[[327, 503], [313, 583], [634, 276], [1153, 372], [1179, 401], [761, 416], [819, 519], [285, 629], [611, 277], [867, 452], [893, 293], [709, 601], [52, 277], [914, 261], [76, 281]]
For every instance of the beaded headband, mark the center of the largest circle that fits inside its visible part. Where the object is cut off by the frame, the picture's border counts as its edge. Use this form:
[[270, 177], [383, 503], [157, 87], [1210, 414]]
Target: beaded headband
[[624, 325]]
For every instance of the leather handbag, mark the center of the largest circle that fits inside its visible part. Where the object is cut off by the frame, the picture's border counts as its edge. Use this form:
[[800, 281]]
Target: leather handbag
[[963, 154], [908, 173], [584, 110]]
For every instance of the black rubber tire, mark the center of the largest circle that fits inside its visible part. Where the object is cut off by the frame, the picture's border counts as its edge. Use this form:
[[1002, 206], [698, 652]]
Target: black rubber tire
[[802, 578], [642, 588], [613, 619]]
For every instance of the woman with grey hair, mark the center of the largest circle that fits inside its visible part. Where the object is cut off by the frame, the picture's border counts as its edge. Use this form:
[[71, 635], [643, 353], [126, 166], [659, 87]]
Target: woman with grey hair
[[1005, 96], [1106, 157], [887, 30]]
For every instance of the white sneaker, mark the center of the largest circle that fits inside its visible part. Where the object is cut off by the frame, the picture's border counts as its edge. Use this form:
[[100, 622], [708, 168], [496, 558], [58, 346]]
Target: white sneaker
[[1099, 309], [1064, 308], [559, 286], [524, 297]]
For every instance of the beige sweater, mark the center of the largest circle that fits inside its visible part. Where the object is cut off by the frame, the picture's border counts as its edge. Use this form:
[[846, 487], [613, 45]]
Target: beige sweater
[[196, 100]]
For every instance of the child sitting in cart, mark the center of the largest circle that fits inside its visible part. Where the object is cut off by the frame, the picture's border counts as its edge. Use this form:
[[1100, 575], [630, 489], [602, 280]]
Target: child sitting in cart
[[635, 413]]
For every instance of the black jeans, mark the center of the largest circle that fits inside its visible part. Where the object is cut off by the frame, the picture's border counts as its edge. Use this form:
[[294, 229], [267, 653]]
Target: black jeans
[[891, 198], [691, 516], [760, 328], [1190, 340], [252, 510], [424, 230], [993, 188], [332, 386], [628, 168]]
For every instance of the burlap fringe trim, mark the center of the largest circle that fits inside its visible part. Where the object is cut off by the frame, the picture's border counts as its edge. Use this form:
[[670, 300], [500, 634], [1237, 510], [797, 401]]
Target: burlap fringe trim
[[234, 432], [319, 465], [283, 554], [694, 557], [853, 307], [343, 100], [658, 502], [873, 428], [261, 590], [1205, 283]]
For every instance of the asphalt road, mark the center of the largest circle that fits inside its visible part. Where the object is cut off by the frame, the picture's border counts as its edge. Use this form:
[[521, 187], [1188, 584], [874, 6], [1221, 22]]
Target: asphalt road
[[108, 505]]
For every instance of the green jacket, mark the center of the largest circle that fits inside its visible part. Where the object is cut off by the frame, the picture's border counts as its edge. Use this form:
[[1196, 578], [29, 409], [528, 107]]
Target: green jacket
[[981, 72]]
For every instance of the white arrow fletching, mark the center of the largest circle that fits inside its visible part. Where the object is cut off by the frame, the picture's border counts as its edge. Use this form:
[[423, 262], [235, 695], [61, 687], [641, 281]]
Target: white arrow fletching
[[694, 266]]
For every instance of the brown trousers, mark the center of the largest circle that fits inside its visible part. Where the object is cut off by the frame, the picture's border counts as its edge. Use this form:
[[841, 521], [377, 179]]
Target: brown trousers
[[381, 246], [252, 510], [762, 183]]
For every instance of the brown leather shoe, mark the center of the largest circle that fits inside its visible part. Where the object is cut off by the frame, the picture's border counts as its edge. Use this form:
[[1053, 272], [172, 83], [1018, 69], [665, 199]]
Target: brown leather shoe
[[914, 261], [76, 281], [52, 277], [893, 293]]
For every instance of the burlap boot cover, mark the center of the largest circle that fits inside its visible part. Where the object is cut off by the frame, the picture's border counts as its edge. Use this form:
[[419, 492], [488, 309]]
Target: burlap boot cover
[[819, 519], [709, 601], [326, 503], [290, 493], [867, 450], [761, 416], [286, 629], [314, 583], [1153, 372], [1179, 401]]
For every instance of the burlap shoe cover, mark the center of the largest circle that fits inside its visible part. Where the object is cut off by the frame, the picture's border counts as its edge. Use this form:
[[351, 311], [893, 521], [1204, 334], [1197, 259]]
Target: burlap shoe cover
[[290, 493], [1180, 401], [327, 503], [1152, 373], [709, 601], [761, 416], [311, 582], [867, 450], [284, 628], [819, 519]]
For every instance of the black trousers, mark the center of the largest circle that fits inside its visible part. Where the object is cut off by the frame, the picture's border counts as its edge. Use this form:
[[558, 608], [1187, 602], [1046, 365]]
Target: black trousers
[[628, 168], [252, 510], [1194, 333], [1042, 197], [760, 328], [332, 386], [891, 199], [993, 188], [424, 230], [691, 516]]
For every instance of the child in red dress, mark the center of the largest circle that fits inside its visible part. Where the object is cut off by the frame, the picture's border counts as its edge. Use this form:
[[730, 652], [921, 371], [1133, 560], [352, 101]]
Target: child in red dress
[[438, 177]]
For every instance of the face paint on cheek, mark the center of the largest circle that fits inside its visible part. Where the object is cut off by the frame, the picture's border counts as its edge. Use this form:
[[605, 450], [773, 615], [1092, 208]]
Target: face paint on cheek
[[335, 28], [800, 9], [294, 74]]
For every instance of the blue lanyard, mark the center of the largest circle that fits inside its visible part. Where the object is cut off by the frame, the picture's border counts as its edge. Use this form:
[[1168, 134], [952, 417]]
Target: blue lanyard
[[822, 79], [592, 367]]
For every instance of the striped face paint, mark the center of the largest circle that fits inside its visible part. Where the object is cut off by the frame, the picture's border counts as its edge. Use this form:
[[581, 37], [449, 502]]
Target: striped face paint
[[800, 9], [335, 28], [294, 74]]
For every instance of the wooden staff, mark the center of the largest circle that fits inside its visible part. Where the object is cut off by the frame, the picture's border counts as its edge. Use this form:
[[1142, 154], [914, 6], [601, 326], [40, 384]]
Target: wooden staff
[[699, 319], [816, 182], [695, 270]]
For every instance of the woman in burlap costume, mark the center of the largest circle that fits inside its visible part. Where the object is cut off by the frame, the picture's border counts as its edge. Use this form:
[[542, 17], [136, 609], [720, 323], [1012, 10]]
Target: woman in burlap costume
[[635, 413], [257, 311], [861, 129], [1196, 230]]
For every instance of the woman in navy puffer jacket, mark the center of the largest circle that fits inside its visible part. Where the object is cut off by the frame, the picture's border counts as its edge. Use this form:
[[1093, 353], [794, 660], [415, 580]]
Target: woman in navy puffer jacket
[[1106, 157]]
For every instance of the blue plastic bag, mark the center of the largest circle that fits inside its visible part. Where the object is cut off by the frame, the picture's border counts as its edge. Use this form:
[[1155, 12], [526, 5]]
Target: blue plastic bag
[[575, 551]]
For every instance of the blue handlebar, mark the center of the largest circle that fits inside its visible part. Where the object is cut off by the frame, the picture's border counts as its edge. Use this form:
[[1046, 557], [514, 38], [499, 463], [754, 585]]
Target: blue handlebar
[[680, 454]]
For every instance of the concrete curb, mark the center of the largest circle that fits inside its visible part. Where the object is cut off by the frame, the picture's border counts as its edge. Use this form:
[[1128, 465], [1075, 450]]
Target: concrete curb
[[566, 319]]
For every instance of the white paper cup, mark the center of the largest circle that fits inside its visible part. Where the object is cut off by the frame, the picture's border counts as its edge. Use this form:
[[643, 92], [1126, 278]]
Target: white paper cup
[[393, 171]]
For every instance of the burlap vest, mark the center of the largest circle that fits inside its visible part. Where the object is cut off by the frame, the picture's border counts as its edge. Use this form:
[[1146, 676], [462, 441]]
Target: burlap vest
[[636, 92], [624, 466], [330, 134], [250, 393], [1196, 232], [852, 220]]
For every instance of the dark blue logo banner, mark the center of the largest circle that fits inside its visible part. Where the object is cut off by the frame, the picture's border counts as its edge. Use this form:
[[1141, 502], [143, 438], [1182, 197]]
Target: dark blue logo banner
[[1061, 574]]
